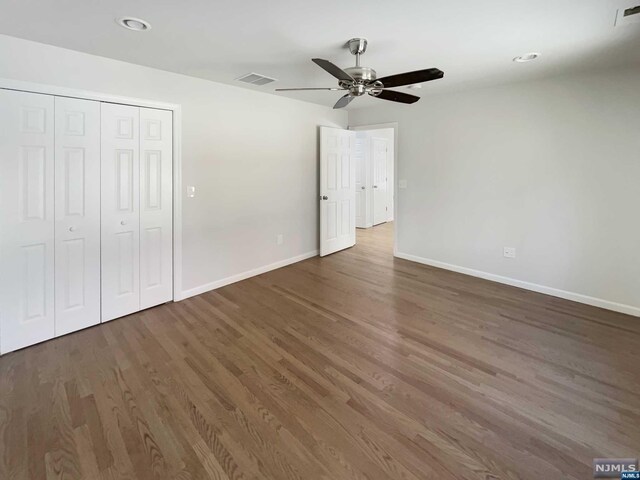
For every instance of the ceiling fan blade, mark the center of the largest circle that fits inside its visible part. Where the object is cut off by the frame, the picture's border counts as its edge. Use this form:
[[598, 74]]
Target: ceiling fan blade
[[397, 96], [333, 69], [344, 101], [410, 78], [313, 88]]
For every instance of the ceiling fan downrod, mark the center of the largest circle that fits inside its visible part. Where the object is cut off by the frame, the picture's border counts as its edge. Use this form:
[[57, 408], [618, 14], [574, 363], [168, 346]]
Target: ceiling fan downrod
[[360, 75], [357, 46]]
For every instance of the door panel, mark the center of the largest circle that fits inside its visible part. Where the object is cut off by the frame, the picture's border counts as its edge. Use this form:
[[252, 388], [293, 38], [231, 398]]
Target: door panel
[[361, 182], [156, 211], [125, 258], [337, 190], [380, 149], [26, 219], [77, 214], [362, 157], [120, 207]]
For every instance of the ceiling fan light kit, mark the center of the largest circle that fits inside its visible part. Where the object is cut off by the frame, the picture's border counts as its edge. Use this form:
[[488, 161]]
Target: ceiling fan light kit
[[359, 80]]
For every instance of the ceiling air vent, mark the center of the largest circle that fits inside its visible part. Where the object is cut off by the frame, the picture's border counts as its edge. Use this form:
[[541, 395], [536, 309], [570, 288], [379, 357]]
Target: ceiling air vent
[[255, 79], [628, 15]]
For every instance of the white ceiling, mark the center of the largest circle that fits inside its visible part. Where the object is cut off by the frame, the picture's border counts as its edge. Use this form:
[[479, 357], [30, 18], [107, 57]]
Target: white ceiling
[[473, 41]]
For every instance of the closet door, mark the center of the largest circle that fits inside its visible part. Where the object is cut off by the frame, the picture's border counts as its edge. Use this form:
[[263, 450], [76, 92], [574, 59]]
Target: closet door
[[156, 219], [120, 210], [26, 219], [77, 214]]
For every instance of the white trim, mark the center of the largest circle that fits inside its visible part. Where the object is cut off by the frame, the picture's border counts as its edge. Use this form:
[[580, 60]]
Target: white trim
[[396, 159], [177, 203], [10, 84], [576, 297], [248, 274]]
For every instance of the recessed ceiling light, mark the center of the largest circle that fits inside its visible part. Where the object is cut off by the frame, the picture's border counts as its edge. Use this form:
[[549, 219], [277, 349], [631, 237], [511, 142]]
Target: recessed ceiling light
[[527, 57], [135, 24]]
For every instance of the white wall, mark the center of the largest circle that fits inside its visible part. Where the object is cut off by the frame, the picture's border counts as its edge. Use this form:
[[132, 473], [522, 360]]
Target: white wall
[[550, 167], [251, 156]]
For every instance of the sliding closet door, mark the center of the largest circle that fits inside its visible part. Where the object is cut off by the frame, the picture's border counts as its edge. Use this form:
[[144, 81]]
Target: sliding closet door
[[156, 217], [77, 214], [120, 211], [26, 219]]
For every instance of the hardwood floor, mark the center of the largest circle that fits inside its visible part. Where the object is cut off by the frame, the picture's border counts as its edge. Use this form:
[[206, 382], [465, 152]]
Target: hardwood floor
[[356, 366]]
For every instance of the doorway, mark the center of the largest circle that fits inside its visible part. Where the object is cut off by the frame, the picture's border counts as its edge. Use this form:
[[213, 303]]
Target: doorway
[[374, 154], [357, 191]]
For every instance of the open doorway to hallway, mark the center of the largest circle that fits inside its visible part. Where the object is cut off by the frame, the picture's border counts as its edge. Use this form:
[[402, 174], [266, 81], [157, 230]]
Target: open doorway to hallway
[[374, 156], [357, 187]]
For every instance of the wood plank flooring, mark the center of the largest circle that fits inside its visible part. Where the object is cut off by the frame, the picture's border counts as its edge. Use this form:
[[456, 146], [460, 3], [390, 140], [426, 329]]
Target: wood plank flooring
[[355, 366]]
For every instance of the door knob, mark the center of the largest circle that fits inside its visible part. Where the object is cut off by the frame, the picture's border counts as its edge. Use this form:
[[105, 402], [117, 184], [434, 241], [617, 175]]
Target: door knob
[[375, 186], [122, 222], [72, 229], [362, 188], [324, 197]]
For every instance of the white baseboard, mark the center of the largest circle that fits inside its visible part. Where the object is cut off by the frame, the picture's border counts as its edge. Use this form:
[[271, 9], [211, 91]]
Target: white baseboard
[[244, 275], [576, 297]]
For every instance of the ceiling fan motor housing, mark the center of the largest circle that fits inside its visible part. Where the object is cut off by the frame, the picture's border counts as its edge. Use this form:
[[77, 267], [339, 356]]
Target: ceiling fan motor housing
[[361, 75]]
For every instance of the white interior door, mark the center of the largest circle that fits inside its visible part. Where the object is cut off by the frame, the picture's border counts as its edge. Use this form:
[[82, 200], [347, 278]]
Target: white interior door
[[120, 208], [156, 213], [26, 219], [379, 155], [337, 190], [77, 214], [361, 159]]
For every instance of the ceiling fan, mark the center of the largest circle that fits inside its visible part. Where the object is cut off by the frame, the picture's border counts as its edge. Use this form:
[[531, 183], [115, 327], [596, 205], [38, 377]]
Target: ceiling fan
[[360, 80]]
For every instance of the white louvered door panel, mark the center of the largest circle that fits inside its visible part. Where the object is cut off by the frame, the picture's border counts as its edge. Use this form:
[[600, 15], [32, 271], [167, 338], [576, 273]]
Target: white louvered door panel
[[156, 212], [120, 210], [26, 219], [77, 214]]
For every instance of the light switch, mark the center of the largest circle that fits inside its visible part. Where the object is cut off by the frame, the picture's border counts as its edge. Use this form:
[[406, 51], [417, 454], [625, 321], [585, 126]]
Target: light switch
[[402, 184], [191, 191]]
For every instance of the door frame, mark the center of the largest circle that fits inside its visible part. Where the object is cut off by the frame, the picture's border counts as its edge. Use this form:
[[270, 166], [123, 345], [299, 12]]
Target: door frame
[[395, 126], [31, 87]]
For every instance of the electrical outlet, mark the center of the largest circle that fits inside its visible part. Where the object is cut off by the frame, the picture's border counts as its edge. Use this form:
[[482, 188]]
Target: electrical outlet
[[279, 239], [510, 252], [402, 184], [191, 191]]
